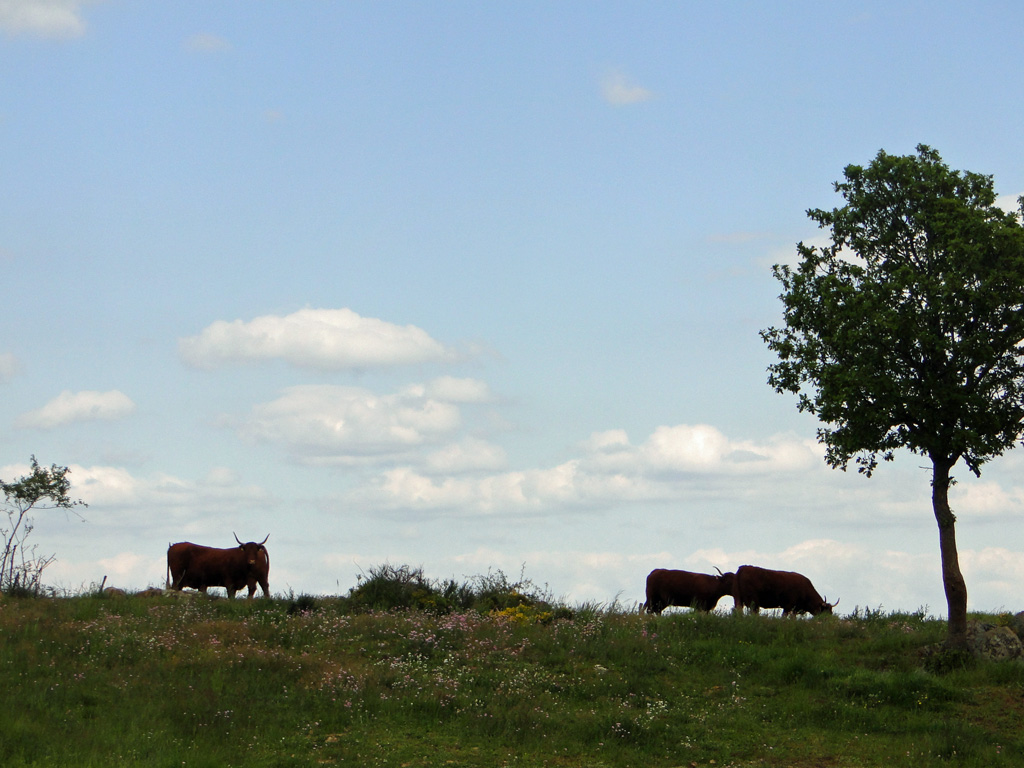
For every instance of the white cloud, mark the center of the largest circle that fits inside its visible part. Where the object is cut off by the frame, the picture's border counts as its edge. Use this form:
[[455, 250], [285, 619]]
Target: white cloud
[[699, 448], [42, 18], [332, 423], [117, 492], [114, 494], [610, 440], [686, 448], [110, 486], [526, 491], [8, 367], [978, 499], [207, 43], [69, 407], [1009, 203], [454, 390], [994, 571], [469, 455], [221, 477], [610, 471], [529, 491], [1007, 565], [619, 91], [418, 424], [323, 339], [123, 566]]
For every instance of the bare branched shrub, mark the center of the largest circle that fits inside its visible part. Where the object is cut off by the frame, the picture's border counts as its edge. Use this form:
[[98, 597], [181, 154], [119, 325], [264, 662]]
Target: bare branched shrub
[[21, 565]]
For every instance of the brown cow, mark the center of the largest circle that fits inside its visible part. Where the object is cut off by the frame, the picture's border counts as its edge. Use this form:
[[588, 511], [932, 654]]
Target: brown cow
[[690, 590], [199, 567], [758, 588]]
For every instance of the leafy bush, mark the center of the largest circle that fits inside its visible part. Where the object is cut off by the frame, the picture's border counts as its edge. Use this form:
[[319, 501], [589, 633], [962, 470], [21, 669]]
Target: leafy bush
[[942, 659], [389, 587], [302, 604], [494, 592]]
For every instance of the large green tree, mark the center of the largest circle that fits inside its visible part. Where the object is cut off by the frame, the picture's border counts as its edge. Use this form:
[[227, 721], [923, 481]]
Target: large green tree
[[907, 330]]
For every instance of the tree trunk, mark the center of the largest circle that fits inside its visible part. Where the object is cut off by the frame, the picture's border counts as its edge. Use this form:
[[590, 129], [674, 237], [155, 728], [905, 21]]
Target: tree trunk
[[952, 578]]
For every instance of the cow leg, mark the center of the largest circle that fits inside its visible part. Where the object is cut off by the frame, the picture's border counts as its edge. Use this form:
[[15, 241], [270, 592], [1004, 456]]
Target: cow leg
[[176, 581]]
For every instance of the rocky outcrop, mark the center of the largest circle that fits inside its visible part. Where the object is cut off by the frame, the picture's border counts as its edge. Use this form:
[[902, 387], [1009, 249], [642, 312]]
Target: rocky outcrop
[[998, 643]]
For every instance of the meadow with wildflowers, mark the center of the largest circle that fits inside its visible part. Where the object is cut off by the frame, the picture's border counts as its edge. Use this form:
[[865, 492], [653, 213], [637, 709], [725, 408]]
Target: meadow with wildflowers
[[489, 673]]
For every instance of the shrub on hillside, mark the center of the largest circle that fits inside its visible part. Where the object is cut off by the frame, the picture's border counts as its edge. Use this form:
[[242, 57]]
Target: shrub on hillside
[[389, 587]]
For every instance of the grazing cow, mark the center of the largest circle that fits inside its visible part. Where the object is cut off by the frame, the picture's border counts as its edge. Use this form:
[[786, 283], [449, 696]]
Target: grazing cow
[[199, 567], [758, 588], [690, 590]]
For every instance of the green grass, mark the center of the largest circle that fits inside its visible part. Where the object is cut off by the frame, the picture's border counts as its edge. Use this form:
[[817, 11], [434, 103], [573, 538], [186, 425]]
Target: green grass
[[134, 681]]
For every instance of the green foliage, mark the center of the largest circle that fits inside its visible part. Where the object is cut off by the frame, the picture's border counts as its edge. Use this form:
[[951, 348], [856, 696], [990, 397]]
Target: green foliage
[[942, 659], [302, 604], [21, 567], [144, 681], [906, 331], [494, 592], [388, 587]]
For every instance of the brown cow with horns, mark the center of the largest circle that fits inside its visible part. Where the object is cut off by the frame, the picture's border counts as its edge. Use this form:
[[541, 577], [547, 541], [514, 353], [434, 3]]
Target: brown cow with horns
[[701, 591], [199, 567], [758, 588]]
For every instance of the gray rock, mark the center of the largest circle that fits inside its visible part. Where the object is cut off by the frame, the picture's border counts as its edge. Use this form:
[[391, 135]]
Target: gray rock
[[991, 642]]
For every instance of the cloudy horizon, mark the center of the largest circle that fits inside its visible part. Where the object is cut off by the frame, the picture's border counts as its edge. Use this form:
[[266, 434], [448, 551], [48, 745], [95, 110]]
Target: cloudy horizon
[[464, 289]]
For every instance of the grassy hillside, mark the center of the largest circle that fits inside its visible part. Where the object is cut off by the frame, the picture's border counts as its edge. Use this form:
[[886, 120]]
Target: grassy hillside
[[137, 681]]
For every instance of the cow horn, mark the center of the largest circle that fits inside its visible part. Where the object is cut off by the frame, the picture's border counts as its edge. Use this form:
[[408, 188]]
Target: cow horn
[[265, 540], [719, 571], [236, 537], [835, 603]]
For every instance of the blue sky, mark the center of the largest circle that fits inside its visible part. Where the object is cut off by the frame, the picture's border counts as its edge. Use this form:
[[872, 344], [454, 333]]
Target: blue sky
[[467, 286]]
